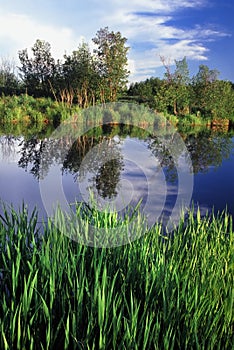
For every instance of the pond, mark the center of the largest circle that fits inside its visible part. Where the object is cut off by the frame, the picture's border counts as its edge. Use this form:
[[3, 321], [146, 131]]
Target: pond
[[115, 163]]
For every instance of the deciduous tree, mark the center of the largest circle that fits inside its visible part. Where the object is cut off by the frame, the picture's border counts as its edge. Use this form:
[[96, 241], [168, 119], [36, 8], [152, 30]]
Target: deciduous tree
[[111, 55], [38, 71], [80, 76], [203, 84], [9, 82]]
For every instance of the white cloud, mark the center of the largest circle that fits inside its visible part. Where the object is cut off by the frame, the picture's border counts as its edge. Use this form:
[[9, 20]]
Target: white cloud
[[162, 6], [146, 25], [22, 31]]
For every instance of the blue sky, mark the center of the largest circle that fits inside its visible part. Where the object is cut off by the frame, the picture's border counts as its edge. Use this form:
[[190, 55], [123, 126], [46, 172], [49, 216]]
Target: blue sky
[[201, 30]]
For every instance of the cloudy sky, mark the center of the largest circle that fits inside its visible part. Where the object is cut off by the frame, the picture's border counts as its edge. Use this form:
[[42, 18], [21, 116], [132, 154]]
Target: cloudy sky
[[201, 30]]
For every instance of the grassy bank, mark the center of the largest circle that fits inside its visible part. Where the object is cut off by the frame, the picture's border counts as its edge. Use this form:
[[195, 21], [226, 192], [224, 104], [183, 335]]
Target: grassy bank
[[29, 110], [155, 293]]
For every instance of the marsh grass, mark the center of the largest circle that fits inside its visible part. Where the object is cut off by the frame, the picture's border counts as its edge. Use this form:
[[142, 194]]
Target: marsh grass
[[158, 292], [29, 110]]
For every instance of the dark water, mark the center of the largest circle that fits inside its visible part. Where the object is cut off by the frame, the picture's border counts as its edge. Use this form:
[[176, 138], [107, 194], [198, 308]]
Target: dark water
[[119, 165]]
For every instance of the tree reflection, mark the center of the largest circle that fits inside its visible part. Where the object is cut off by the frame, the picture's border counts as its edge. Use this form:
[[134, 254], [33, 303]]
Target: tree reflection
[[206, 148], [108, 177], [38, 155], [8, 146], [161, 151], [77, 152], [30, 159], [103, 163]]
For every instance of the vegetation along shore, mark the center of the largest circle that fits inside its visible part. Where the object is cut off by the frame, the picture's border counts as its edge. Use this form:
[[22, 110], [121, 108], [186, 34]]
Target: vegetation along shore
[[162, 291], [85, 78], [158, 292]]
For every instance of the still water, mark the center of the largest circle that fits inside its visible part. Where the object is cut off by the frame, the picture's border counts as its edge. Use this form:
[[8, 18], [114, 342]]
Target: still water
[[118, 164]]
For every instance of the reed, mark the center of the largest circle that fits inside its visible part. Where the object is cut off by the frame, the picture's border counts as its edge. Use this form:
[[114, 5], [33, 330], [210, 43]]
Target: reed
[[158, 292], [29, 110]]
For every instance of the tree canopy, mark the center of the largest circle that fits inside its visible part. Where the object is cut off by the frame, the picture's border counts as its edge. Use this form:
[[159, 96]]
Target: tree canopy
[[86, 77], [179, 94], [83, 76], [37, 72]]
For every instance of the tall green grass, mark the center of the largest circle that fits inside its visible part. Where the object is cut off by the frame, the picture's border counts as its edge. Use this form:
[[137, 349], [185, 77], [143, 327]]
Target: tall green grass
[[158, 292], [27, 109]]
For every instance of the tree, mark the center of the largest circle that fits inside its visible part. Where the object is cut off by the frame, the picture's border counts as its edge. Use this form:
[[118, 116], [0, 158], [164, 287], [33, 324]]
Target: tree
[[181, 75], [80, 75], [145, 91], [9, 83], [182, 82], [205, 75], [111, 55], [174, 93], [203, 84], [39, 71], [222, 100], [164, 98], [178, 86]]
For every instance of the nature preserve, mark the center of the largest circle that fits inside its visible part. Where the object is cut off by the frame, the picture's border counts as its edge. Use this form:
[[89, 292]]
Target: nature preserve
[[146, 259]]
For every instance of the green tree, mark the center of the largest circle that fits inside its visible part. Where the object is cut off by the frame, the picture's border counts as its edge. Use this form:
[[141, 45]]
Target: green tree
[[145, 91], [222, 100], [9, 82], [164, 98], [38, 72], [174, 93], [205, 75], [80, 76], [203, 84], [182, 90], [111, 55]]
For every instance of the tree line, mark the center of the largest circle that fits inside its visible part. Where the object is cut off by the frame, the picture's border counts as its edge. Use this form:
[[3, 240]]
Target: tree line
[[86, 78], [178, 94], [82, 77]]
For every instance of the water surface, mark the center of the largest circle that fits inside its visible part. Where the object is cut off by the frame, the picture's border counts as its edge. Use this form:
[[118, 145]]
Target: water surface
[[120, 172]]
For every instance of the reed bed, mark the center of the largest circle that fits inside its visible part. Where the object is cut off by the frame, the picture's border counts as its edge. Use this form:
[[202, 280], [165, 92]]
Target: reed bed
[[158, 292]]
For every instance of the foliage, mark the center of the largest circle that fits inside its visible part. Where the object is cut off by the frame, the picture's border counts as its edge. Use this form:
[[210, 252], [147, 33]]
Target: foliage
[[38, 72], [86, 78], [81, 77], [111, 55], [176, 86], [157, 292], [222, 96], [145, 91], [9, 82], [204, 95], [30, 110]]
